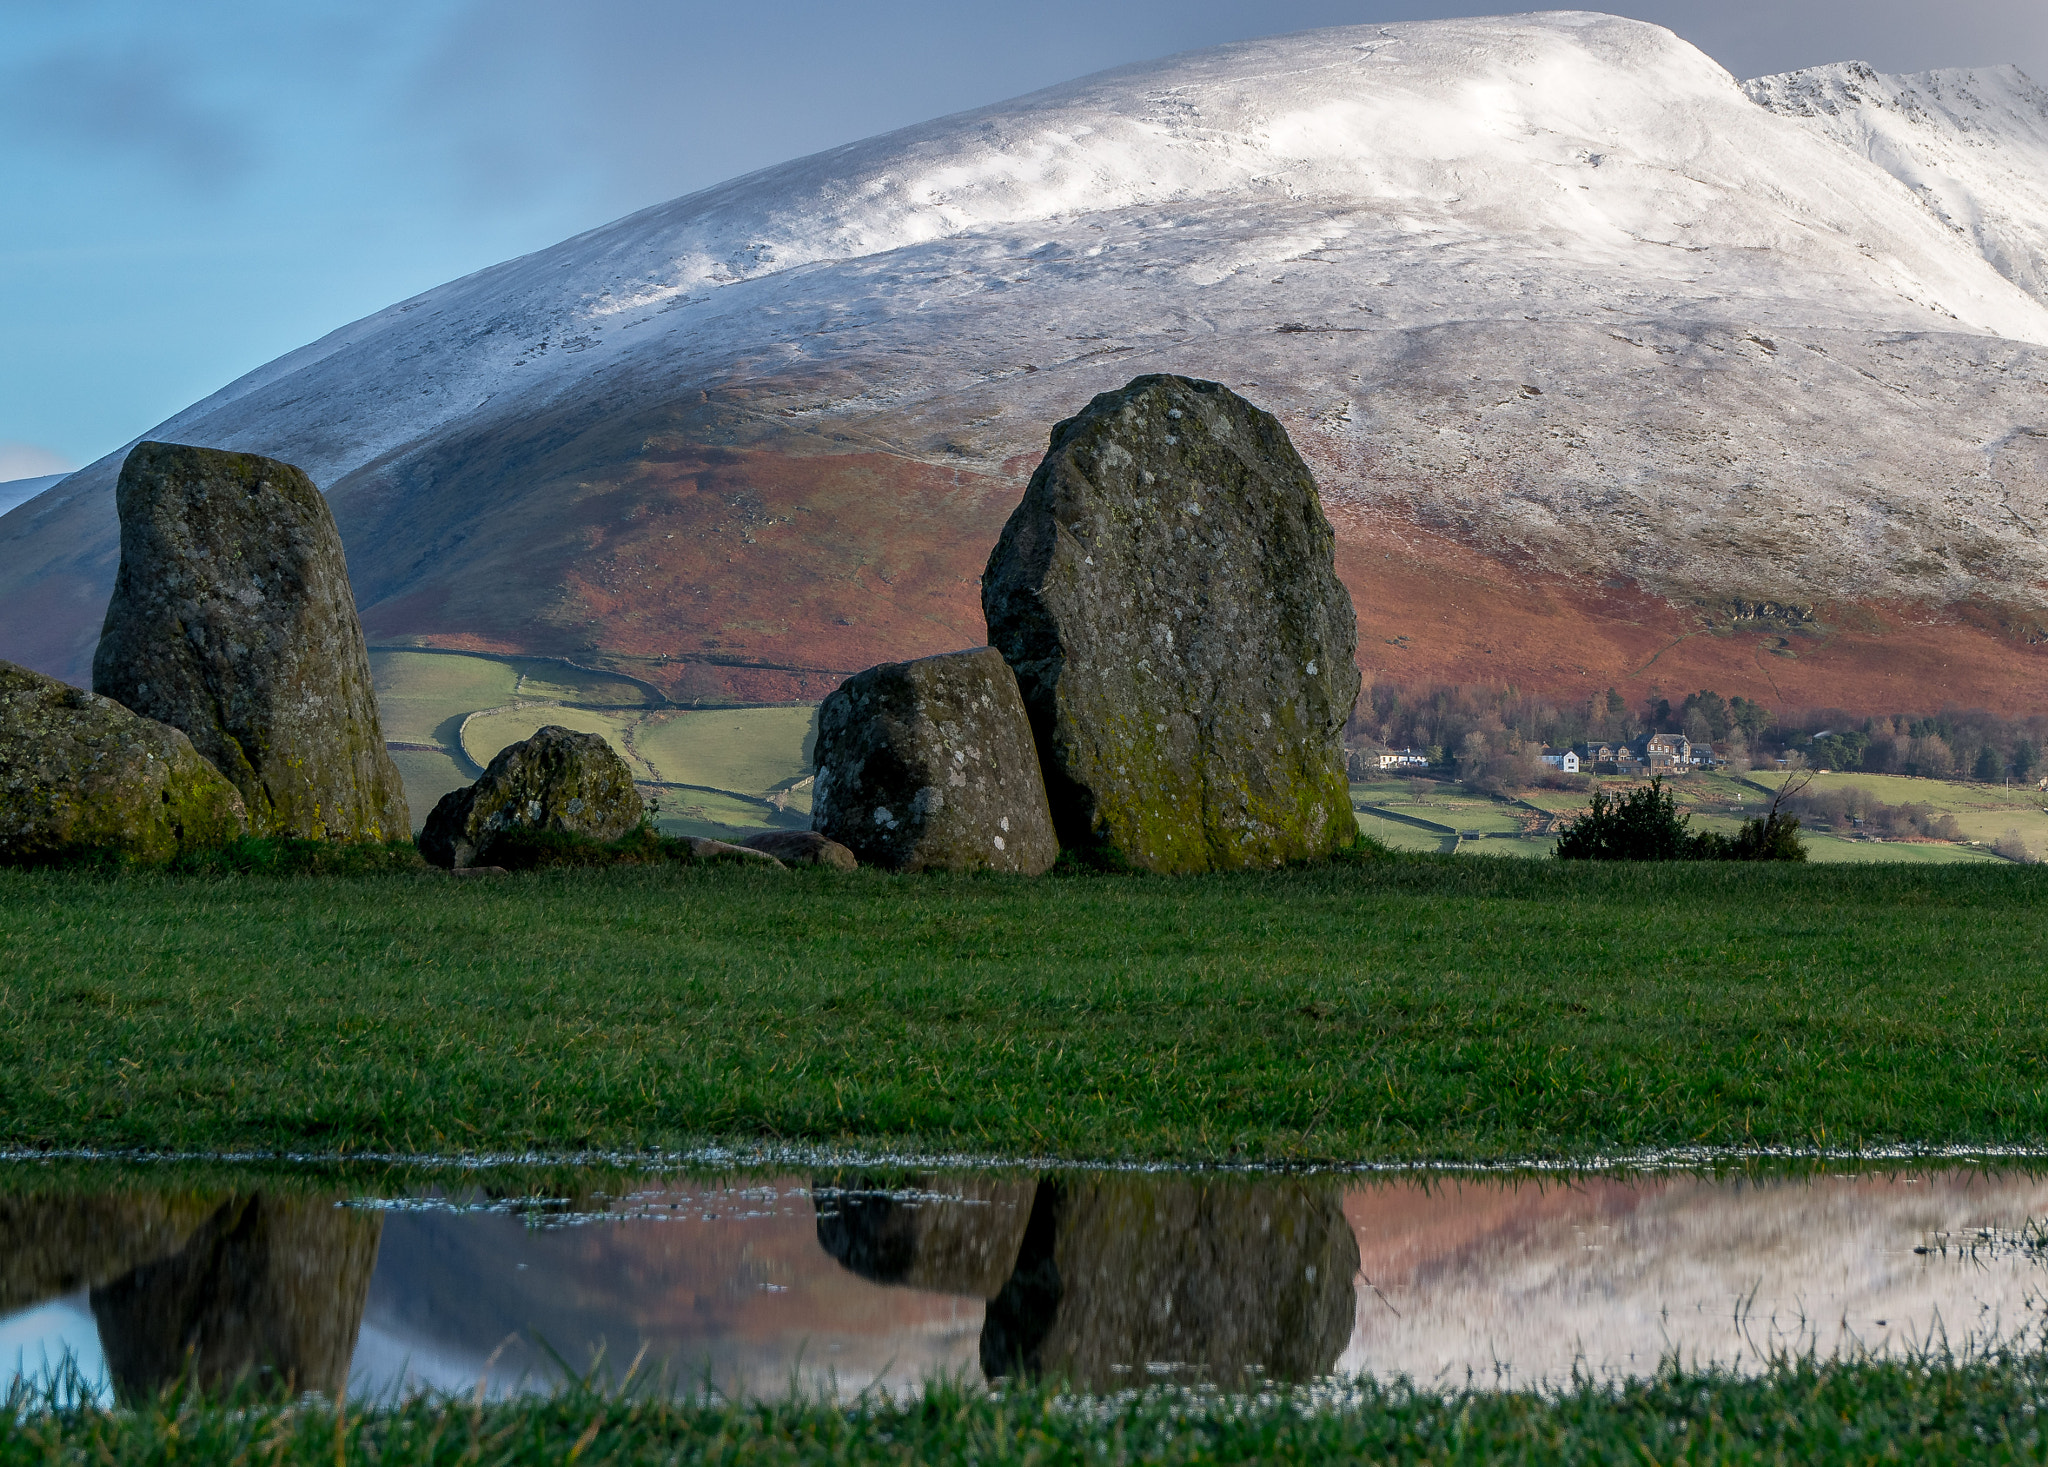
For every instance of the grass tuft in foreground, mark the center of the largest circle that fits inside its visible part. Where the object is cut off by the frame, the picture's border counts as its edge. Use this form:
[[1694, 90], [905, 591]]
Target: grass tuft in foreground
[[1926, 1411]]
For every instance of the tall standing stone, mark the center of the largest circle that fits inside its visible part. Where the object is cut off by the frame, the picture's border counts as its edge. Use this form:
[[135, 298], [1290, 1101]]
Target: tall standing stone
[[232, 620], [1168, 597], [929, 766]]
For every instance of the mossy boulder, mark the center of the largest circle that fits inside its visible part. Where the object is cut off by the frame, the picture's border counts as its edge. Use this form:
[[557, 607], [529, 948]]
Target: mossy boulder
[[232, 619], [1167, 594], [558, 782], [930, 766], [803, 848], [81, 775]]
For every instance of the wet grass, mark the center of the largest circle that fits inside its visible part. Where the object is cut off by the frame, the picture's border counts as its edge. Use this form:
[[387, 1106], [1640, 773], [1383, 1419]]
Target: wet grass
[[1935, 1412], [1404, 1007]]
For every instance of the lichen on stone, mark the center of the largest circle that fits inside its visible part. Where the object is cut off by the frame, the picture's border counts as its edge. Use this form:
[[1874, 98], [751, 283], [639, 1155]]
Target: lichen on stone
[[1167, 595]]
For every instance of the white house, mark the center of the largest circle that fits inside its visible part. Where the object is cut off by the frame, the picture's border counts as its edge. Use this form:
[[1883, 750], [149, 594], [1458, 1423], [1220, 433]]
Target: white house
[[1564, 759]]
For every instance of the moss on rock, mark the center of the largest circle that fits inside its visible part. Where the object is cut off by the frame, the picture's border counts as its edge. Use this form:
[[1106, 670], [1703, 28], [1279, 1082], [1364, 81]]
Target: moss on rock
[[1168, 597], [82, 777], [232, 619], [557, 783]]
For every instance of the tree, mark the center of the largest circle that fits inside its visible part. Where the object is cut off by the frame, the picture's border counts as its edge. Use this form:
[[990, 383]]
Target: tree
[[1990, 769], [2025, 757], [1751, 718]]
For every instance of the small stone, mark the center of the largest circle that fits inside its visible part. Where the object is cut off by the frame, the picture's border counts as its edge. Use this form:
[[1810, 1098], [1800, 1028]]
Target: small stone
[[803, 848], [703, 848], [80, 774], [532, 786], [930, 766], [1169, 602], [232, 619]]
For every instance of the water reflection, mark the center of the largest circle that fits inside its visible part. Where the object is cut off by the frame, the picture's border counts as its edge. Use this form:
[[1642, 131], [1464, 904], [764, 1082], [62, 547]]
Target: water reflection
[[844, 1283]]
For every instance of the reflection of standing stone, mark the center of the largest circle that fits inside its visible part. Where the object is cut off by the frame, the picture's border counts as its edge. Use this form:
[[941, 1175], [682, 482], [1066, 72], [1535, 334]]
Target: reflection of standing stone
[[270, 1290], [1168, 596], [1224, 1281], [557, 782], [232, 619], [948, 1235], [929, 765], [57, 1245], [79, 773]]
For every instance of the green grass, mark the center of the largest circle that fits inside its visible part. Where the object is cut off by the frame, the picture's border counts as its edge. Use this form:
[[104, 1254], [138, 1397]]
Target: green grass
[[747, 750], [428, 776], [1405, 1007], [1397, 835], [1924, 1411]]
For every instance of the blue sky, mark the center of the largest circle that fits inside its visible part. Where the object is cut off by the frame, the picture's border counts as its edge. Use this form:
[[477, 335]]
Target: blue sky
[[193, 189]]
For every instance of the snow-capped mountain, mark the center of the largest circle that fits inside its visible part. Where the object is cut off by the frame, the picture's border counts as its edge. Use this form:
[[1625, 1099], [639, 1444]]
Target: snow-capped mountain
[[21, 491], [1551, 302]]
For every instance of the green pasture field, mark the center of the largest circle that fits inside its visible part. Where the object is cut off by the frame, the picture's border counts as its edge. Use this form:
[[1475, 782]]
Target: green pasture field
[[1388, 1008], [1398, 836], [456, 712], [1927, 1410]]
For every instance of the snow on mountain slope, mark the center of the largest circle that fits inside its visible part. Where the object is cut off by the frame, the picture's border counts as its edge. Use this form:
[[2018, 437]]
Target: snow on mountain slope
[[1972, 144], [20, 491], [1551, 287]]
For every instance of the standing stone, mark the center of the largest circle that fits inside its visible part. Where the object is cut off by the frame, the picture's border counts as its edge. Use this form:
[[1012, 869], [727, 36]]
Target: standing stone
[[232, 619], [1167, 594], [559, 781], [929, 766], [80, 774]]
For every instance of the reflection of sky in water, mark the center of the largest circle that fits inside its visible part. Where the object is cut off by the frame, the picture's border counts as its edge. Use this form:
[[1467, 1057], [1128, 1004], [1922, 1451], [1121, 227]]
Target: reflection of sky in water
[[37, 1343], [1490, 1280]]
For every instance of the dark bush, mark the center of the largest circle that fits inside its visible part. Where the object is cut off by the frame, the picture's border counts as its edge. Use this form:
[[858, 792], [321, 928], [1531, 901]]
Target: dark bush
[[1644, 825], [1641, 825]]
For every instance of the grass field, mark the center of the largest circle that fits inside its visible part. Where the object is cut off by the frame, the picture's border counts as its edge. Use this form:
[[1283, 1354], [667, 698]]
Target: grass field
[[456, 712], [1924, 1411], [1403, 1007]]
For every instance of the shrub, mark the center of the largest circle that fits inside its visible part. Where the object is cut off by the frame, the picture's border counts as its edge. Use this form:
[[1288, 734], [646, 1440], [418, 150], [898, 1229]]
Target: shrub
[[1641, 825], [1644, 825]]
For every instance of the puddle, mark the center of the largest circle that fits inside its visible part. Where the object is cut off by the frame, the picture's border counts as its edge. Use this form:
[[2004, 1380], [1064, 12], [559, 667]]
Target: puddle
[[1109, 1280]]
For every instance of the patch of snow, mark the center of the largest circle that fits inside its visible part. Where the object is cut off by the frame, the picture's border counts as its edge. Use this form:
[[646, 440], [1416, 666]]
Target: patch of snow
[[21, 491]]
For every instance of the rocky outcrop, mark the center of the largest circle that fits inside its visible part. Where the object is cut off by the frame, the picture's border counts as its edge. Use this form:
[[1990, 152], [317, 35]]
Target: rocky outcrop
[[232, 620], [955, 1235], [80, 774], [703, 848], [1232, 1283], [268, 1293], [1167, 595], [558, 781], [930, 766], [803, 848]]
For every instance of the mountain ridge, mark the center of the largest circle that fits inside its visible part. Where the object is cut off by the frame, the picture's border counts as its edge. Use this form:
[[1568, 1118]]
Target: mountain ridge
[[1555, 291]]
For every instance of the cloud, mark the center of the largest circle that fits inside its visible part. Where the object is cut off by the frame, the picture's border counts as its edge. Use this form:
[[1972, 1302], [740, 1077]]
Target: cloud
[[138, 102], [28, 461]]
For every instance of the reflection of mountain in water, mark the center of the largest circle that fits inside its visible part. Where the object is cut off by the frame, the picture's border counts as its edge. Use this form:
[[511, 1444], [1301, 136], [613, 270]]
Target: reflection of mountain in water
[[1106, 1280]]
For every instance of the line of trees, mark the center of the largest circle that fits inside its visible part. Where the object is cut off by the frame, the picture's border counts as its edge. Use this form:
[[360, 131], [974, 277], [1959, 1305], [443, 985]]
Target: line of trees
[[1492, 735]]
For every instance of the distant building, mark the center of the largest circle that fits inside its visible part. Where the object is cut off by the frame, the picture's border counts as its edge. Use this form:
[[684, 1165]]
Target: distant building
[[1564, 759], [1618, 758], [1403, 759], [1703, 756], [1663, 752]]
